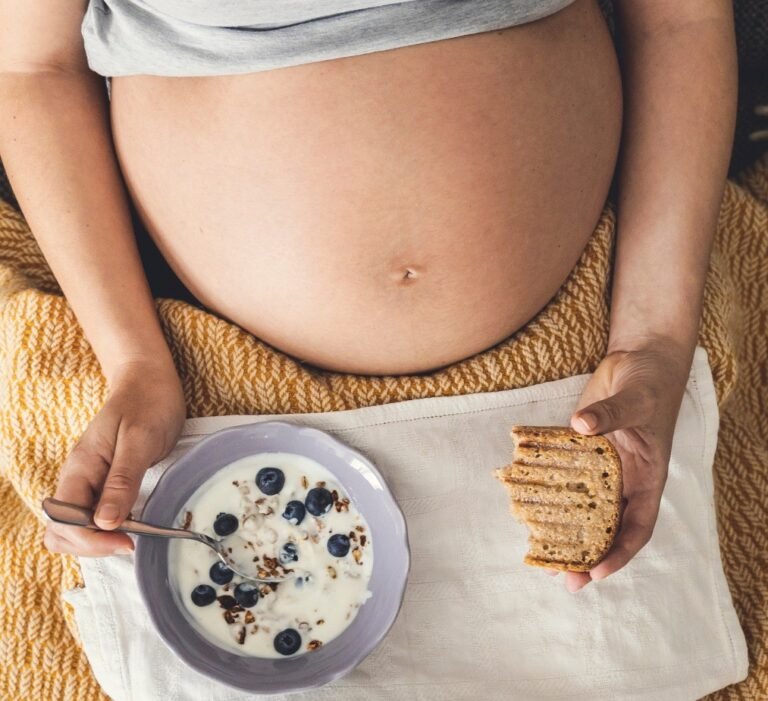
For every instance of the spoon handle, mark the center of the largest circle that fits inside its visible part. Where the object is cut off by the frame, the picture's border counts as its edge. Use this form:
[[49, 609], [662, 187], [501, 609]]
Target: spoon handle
[[74, 515]]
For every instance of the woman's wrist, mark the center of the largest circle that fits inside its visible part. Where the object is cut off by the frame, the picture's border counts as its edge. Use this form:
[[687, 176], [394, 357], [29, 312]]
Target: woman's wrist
[[628, 341], [652, 309], [140, 363], [665, 320], [676, 350]]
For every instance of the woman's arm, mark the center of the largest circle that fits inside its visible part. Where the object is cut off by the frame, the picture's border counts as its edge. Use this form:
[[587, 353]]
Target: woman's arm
[[56, 145], [679, 69], [57, 148], [679, 74]]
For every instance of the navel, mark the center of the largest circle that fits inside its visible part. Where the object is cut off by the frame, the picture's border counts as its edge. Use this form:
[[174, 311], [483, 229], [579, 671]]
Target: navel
[[407, 274]]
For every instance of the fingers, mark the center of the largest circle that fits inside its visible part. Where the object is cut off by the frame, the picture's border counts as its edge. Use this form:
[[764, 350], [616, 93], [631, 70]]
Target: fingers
[[573, 580], [135, 451], [576, 580], [636, 530], [80, 476], [137, 425], [628, 408]]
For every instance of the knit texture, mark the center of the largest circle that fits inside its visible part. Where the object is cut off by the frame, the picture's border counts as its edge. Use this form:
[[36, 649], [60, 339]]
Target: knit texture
[[51, 386]]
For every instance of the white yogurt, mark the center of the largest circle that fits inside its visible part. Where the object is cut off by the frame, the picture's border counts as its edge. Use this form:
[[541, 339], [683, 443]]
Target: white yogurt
[[324, 593]]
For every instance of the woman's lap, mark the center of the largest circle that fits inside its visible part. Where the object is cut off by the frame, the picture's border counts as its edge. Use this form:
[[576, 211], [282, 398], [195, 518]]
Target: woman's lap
[[55, 386]]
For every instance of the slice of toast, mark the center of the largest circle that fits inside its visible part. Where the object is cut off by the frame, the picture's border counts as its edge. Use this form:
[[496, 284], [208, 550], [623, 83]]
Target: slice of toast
[[567, 489]]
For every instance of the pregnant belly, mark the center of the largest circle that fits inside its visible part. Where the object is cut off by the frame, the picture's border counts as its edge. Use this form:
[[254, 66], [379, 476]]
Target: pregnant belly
[[388, 213]]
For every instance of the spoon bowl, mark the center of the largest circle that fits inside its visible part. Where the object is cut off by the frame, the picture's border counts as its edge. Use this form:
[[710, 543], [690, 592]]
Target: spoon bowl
[[74, 515]]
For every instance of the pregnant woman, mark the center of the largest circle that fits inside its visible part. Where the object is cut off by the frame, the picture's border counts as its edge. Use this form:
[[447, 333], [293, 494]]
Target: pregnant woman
[[371, 187]]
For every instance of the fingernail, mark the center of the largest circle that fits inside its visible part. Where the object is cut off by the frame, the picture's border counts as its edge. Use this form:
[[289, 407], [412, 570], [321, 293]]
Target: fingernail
[[123, 551], [108, 512], [588, 422]]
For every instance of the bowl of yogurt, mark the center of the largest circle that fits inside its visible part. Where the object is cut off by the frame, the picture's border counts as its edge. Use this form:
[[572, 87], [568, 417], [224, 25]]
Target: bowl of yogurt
[[291, 503]]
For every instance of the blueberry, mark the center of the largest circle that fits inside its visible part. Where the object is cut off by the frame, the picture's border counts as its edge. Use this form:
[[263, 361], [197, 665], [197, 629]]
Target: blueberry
[[318, 501], [203, 595], [288, 553], [270, 480], [246, 595], [225, 524], [220, 573], [287, 641], [338, 545], [294, 512]]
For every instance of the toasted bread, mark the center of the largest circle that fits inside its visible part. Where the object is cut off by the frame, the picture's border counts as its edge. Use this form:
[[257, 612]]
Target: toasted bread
[[566, 488]]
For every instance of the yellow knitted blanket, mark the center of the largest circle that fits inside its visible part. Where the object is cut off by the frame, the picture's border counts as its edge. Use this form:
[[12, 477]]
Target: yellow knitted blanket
[[51, 386]]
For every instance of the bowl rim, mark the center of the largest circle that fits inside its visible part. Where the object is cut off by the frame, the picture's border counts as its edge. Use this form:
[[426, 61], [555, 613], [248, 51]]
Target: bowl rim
[[363, 650]]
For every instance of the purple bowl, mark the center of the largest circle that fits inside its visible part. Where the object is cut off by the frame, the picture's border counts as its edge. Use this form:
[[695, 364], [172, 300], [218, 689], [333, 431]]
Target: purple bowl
[[365, 487]]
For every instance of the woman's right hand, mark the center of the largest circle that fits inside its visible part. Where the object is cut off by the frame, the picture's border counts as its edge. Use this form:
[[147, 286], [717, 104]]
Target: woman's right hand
[[138, 425]]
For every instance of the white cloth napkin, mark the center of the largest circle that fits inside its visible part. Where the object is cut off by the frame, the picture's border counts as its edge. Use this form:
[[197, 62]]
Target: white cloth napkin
[[476, 623]]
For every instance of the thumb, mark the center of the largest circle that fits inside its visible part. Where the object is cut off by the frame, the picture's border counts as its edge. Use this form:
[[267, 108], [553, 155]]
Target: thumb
[[628, 408], [134, 453]]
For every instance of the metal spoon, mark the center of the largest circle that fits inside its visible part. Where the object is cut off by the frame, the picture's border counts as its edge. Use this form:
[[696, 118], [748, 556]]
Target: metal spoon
[[74, 515]]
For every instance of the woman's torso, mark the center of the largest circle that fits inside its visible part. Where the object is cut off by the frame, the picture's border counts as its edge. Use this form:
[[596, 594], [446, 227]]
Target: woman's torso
[[386, 213]]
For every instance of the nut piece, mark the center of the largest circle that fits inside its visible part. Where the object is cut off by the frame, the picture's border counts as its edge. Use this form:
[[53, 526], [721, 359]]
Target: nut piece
[[331, 572], [342, 505], [314, 644]]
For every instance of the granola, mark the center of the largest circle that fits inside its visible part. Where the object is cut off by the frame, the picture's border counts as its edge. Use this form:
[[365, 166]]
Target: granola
[[282, 516]]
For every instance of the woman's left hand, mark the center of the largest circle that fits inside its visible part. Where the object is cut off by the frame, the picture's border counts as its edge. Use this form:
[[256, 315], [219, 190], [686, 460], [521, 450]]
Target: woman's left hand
[[633, 398]]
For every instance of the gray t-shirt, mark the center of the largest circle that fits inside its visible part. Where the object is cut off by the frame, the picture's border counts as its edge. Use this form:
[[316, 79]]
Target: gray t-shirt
[[220, 37]]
